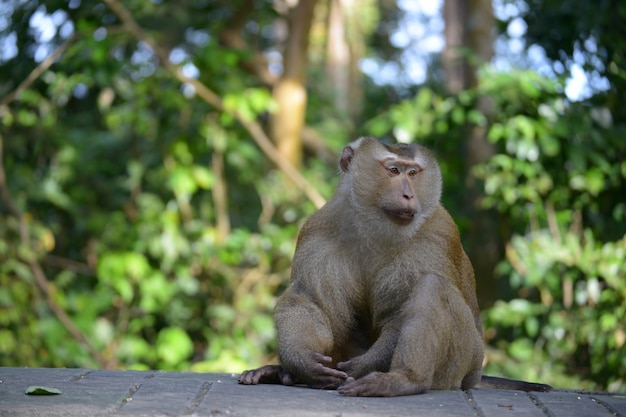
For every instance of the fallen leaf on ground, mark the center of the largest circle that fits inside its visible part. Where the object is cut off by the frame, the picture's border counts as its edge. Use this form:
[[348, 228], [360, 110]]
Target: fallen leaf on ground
[[39, 390]]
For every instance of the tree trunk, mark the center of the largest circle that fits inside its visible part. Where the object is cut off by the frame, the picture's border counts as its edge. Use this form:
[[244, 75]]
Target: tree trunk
[[345, 46], [470, 26], [455, 32], [356, 38], [290, 91], [338, 57]]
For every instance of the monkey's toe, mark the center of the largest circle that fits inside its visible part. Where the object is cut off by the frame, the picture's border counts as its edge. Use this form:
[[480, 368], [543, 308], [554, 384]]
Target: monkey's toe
[[381, 384], [249, 378], [287, 378], [354, 388], [268, 374]]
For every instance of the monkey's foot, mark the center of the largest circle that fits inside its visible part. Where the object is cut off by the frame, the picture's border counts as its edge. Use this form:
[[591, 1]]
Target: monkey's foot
[[380, 384], [269, 374]]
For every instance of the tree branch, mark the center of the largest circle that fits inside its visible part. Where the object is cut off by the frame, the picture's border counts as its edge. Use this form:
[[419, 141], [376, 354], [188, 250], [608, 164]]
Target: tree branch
[[285, 125], [37, 271], [211, 98], [220, 196], [68, 264], [39, 69], [231, 38]]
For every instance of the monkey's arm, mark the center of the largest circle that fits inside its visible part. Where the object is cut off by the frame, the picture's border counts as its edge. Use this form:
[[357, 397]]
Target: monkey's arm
[[305, 340]]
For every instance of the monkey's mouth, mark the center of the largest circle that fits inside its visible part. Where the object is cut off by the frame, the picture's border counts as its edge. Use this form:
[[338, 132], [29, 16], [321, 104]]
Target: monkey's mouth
[[401, 217]]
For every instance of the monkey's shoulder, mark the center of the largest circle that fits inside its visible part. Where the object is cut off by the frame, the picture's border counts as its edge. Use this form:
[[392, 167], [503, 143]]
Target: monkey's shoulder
[[437, 228], [328, 223], [441, 219]]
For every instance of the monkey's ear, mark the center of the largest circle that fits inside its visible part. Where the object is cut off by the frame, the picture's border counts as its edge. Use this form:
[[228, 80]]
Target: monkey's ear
[[346, 158]]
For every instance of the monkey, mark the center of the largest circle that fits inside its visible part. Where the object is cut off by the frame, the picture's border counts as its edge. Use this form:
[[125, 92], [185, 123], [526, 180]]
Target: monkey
[[382, 296]]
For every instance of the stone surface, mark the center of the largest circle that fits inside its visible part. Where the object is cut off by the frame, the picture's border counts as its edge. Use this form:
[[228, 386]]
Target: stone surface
[[157, 393]]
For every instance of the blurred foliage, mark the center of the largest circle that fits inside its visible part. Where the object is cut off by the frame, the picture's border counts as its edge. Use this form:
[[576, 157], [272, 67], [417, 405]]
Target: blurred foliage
[[559, 179], [117, 168], [110, 161]]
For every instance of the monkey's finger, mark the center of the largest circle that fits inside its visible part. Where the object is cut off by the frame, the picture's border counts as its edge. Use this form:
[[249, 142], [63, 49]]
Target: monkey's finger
[[318, 357], [324, 371], [327, 382], [249, 378], [345, 366]]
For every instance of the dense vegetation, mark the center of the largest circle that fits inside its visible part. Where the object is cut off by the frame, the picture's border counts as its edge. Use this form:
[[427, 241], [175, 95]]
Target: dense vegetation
[[144, 223]]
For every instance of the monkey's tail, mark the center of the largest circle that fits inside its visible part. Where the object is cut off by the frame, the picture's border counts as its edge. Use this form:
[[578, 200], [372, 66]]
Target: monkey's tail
[[503, 383]]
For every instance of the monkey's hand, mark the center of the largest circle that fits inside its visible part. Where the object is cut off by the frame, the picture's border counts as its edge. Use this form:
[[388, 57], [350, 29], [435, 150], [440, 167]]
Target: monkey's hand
[[355, 367], [319, 374], [269, 374]]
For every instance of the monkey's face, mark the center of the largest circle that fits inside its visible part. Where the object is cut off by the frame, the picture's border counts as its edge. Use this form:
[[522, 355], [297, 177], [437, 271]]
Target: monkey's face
[[398, 198], [398, 184], [407, 182]]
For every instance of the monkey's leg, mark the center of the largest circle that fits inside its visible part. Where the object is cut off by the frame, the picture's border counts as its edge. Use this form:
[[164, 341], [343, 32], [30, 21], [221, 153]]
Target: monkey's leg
[[438, 345], [305, 341]]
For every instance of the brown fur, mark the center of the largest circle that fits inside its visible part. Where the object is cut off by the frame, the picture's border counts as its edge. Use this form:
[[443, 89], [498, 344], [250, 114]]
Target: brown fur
[[382, 298]]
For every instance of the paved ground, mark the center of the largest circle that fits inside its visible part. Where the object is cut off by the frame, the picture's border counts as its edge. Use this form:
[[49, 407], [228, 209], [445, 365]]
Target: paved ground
[[131, 393]]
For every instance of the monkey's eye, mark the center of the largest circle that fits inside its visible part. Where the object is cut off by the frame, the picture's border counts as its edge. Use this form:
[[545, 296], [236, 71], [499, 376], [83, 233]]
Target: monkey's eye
[[412, 172], [393, 170]]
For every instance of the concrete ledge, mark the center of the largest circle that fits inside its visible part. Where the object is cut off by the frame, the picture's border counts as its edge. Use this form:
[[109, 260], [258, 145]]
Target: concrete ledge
[[157, 393]]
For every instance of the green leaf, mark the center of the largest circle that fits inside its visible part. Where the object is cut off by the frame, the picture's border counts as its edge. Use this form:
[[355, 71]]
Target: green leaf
[[550, 146], [423, 99], [476, 117], [203, 176], [259, 99], [379, 126], [40, 390], [525, 126], [528, 86], [497, 132], [173, 345], [521, 349], [7, 118], [595, 181], [182, 182], [458, 115]]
